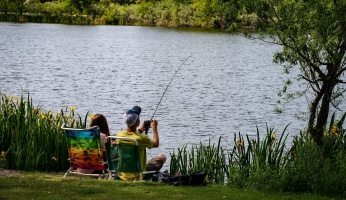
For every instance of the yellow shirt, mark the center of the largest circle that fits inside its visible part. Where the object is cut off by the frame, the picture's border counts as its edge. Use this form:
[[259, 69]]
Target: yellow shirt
[[143, 142]]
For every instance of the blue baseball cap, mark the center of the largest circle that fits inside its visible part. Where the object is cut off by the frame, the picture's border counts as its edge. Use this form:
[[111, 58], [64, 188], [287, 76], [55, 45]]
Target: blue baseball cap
[[136, 109], [131, 116]]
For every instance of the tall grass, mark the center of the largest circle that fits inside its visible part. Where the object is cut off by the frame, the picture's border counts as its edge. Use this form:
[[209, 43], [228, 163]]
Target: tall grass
[[31, 138], [256, 161], [268, 164], [201, 157], [318, 169]]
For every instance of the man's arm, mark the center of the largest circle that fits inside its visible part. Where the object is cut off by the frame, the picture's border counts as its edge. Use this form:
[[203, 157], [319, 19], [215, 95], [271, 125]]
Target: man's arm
[[156, 141]]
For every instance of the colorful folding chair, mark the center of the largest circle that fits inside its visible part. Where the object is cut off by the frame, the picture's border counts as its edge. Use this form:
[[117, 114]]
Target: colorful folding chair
[[85, 151]]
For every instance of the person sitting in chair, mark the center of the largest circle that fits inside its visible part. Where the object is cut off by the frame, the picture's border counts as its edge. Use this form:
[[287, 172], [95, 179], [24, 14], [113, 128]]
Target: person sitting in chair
[[132, 121], [100, 121]]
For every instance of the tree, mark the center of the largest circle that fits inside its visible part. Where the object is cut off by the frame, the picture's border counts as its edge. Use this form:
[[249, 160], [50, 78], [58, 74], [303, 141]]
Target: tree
[[313, 35], [4, 6], [20, 4]]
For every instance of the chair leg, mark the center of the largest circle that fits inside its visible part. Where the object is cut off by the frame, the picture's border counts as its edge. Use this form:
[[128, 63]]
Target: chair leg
[[110, 174], [104, 176], [67, 172]]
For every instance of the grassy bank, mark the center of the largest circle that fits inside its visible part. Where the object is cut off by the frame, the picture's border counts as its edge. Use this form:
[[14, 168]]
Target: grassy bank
[[52, 186], [169, 13], [31, 140]]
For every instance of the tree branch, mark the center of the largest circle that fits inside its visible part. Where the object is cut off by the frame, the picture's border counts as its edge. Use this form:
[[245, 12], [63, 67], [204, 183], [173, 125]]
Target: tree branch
[[342, 70], [340, 81], [314, 84]]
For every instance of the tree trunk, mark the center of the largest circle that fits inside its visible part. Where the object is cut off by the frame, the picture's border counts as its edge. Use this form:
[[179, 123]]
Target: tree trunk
[[312, 117], [316, 130]]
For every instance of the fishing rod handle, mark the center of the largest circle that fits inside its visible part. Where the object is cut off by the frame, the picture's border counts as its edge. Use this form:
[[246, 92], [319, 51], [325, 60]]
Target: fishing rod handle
[[147, 124]]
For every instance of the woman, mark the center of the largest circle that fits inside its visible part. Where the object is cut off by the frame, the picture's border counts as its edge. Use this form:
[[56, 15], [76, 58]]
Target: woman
[[100, 121]]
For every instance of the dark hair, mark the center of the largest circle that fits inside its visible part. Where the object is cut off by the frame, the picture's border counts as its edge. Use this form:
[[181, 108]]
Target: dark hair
[[100, 121]]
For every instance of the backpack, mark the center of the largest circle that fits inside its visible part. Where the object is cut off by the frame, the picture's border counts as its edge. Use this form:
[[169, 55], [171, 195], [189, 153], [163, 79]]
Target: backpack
[[194, 179]]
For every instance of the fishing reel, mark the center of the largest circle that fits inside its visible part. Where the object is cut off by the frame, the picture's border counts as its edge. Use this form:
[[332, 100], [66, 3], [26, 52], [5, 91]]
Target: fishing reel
[[147, 124]]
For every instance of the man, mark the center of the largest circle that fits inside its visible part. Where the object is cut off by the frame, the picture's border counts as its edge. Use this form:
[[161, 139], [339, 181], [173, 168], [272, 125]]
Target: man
[[132, 121]]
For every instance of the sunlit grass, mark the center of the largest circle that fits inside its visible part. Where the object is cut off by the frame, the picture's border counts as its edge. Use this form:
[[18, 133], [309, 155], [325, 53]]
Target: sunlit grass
[[53, 186]]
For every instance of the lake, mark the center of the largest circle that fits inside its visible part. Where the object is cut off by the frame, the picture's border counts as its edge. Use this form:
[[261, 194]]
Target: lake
[[224, 84]]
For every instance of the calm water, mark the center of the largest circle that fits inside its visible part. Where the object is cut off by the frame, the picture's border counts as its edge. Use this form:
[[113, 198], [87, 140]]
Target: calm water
[[227, 85]]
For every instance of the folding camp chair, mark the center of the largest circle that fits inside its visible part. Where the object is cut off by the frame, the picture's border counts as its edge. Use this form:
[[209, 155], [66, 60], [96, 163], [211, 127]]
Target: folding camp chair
[[85, 150], [124, 157]]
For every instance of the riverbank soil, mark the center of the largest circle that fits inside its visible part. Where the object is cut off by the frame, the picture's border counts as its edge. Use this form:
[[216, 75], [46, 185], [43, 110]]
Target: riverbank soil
[[9, 173]]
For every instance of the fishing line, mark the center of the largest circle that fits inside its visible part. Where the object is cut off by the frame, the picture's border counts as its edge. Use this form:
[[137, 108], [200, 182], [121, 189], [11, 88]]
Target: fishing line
[[168, 86], [148, 122]]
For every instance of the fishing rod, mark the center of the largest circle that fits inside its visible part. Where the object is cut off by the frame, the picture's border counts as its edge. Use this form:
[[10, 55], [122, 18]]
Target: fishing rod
[[148, 122]]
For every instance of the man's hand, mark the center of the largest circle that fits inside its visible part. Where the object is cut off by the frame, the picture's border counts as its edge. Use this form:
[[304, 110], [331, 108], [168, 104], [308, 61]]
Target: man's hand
[[142, 128], [154, 123], [156, 141]]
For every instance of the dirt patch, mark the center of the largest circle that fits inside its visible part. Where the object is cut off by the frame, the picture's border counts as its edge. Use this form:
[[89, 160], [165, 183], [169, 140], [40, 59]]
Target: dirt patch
[[9, 173]]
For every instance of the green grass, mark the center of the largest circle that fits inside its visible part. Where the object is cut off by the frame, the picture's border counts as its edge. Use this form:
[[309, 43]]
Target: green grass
[[52, 186]]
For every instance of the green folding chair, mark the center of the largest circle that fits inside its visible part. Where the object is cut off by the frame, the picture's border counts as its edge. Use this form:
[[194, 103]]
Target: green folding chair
[[123, 157]]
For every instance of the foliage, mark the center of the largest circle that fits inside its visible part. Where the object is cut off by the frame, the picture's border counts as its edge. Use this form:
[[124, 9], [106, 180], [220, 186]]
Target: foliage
[[301, 171], [203, 157], [196, 13], [31, 138], [257, 162], [4, 5], [317, 169], [313, 35], [118, 14], [267, 158], [145, 13], [239, 160], [269, 165], [20, 4]]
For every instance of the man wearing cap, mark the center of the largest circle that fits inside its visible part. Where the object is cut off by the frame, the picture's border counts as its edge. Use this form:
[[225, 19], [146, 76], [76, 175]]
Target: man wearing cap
[[132, 121]]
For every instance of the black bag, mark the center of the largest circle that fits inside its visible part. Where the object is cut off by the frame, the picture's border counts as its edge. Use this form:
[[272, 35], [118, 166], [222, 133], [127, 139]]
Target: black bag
[[183, 180], [198, 178], [194, 179]]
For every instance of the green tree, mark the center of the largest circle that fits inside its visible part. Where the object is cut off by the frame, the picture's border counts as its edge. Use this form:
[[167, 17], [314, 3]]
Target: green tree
[[226, 12], [81, 4], [4, 6], [20, 4], [313, 35]]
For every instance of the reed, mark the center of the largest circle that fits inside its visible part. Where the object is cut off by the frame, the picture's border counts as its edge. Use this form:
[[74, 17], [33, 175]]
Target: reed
[[209, 158], [269, 151], [254, 161], [179, 160], [247, 160], [30, 138], [269, 165], [239, 161]]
